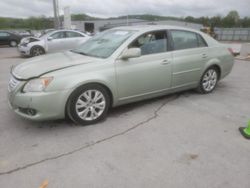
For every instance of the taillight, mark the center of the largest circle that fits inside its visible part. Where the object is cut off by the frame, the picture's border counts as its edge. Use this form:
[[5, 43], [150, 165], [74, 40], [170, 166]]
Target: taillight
[[231, 51]]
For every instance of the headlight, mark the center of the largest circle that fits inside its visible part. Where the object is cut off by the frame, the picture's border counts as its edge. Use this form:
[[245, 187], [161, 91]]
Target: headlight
[[25, 44], [37, 85]]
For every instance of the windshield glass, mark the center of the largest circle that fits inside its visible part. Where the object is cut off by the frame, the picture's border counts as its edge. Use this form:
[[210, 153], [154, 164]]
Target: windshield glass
[[104, 44], [45, 33]]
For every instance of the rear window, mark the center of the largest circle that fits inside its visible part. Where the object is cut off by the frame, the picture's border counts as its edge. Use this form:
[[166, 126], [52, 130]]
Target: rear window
[[70, 34], [201, 41], [186, 39]]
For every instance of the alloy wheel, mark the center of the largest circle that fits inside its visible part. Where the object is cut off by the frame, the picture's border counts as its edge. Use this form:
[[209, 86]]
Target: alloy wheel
[[37, 52], [209, 80], [90, 105], [13, 43]]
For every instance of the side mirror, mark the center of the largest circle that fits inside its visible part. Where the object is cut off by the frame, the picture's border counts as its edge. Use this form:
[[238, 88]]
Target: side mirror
[[130, 53], [50, 38]]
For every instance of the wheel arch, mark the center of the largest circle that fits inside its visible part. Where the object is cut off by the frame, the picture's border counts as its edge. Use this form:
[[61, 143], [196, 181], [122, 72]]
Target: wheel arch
[[111, 95], [213, 63], [217, 67], [15, 40]]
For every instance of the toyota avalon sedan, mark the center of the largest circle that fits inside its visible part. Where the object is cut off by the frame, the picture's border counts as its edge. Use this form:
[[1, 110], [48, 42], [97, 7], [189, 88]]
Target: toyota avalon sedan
[[115, 67]]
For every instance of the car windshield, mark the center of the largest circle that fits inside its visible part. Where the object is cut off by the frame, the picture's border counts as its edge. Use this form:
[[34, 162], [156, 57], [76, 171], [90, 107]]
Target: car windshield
[[45, 33], [104, 44]]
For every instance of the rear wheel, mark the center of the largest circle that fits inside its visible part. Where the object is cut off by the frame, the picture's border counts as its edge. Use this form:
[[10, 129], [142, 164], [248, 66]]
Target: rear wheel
[[13, 43], [36, 51], [208, 80], [88, 104]]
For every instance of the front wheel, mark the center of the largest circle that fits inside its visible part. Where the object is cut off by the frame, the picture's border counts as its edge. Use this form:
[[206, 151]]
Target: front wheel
[[36, 51], [13, 43], [208, 80], [88, 104]]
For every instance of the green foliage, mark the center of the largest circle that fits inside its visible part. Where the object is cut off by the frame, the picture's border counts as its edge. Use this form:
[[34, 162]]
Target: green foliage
[[232, 19], [29, 23], [79, 17], [148, 17]]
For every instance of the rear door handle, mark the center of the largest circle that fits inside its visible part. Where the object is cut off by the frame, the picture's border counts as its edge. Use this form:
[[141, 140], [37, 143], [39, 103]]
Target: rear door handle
[[165, 62], [204, 56]]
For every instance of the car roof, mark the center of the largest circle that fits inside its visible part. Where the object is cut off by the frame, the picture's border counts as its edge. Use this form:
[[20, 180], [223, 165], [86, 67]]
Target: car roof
[[66, 30], [145, 28], [57, 30], [10, 32]]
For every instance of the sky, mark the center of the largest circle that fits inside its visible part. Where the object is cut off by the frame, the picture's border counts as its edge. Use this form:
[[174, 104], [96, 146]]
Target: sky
[[112, 8]]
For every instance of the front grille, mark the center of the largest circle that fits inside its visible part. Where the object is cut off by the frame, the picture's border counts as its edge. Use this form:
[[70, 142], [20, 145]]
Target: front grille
[[13, 83]]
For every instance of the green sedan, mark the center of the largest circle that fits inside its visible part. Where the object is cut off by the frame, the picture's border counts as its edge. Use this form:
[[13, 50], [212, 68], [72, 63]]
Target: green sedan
[[116, 67]]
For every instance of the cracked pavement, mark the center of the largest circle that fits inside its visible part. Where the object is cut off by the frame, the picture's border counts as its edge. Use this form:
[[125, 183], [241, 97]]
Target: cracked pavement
[[181, 140]]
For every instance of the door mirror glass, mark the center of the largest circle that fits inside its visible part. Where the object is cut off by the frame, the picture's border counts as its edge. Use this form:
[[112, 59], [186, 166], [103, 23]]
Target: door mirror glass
[[131, 53], [50, 38]]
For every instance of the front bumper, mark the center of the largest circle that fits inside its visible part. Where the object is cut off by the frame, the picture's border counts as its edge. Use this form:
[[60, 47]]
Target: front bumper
[[47, 105], [24, 50]]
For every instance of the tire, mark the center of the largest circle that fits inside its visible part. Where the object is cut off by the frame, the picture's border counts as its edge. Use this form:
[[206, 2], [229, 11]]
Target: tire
[[208, 80], [36, 51], [13, 43], [88, 104]]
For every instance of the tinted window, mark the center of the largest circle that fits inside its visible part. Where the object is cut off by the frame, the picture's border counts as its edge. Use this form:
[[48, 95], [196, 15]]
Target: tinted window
[[70, 34], [57, 35], [184, 40], [201, 41], [150, 43], [3, 34]]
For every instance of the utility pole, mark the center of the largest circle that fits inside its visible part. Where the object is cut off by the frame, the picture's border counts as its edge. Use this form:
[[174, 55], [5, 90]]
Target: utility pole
[[67, 18], [56, 14]]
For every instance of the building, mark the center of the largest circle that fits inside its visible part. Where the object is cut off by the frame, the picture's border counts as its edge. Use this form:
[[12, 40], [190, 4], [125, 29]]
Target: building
[[94, 26]]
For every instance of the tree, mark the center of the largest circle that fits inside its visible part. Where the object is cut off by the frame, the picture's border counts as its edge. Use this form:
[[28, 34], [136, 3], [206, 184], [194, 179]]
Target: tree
[[190, 19], [216, 21], [232, 19]]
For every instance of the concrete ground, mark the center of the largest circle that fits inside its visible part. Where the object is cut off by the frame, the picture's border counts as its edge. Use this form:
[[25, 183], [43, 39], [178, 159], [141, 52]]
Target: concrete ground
[[181, 140], [235, 46]]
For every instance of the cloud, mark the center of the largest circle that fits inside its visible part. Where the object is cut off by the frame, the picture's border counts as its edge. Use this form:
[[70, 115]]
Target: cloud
[[108, 8]]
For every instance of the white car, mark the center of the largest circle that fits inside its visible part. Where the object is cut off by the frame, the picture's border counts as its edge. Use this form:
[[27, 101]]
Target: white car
[[53, 41]]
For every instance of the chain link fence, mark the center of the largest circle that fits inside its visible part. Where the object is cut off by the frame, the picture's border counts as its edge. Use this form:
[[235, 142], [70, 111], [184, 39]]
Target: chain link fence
[[233, 34]]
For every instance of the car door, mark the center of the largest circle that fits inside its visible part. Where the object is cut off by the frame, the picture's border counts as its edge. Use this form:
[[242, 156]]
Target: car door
[[56, 42], [148, 74], [189, 56], [4, 38]]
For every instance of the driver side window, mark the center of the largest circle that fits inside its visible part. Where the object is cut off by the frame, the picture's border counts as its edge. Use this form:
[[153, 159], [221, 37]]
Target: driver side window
[[151, 43]]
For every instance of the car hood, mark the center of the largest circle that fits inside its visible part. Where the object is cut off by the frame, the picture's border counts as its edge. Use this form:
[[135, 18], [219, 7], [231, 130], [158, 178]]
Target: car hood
[[29, 39], [40, 65]]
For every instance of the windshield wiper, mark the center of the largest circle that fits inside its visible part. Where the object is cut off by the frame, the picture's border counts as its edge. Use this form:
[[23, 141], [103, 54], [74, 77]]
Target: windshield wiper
[[82, 53]]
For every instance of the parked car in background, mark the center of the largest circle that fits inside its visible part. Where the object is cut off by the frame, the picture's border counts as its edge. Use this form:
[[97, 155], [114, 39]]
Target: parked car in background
[[116, 67], [51, 41], [9, 38], [23, 33]]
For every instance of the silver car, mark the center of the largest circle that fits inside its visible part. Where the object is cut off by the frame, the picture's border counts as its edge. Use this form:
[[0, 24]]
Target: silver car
[[52, 41], [118, 66]]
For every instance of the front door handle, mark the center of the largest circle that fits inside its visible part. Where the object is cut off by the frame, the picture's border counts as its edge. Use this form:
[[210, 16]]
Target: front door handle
[[165, 62]]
